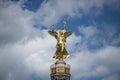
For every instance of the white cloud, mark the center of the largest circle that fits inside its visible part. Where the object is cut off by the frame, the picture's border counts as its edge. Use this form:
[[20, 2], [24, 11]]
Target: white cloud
[[31, 50], [102, 63], [88, 31], [52, 11], [15, 23], [112, 77], [72, 43], [23, 59]]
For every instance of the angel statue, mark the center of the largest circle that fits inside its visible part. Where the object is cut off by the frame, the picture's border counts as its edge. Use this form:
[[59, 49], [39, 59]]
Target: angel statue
[[61, 36]]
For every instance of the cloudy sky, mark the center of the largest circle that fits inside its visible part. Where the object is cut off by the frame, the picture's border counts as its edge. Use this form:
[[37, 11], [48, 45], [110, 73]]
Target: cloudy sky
[[26, 48]]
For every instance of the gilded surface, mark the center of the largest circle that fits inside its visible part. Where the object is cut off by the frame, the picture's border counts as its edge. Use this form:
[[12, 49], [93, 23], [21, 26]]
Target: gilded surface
[[61, 36]]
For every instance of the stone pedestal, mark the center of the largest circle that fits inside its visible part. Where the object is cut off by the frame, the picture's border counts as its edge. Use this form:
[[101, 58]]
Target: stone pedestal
[[60, 71]]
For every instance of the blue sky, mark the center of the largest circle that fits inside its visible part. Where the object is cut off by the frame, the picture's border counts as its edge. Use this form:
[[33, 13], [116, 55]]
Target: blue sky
[[26, 48]]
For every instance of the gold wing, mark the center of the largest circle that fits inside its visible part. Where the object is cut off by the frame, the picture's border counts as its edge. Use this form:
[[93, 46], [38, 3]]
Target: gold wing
[[53, 33], [67, 34]]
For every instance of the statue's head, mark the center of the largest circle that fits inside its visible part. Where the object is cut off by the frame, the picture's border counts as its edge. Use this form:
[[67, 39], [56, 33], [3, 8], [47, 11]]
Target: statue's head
[[61, 31]]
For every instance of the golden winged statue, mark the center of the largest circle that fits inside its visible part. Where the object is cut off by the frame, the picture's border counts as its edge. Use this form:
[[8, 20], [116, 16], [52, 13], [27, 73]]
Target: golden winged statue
[[61, 36]]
